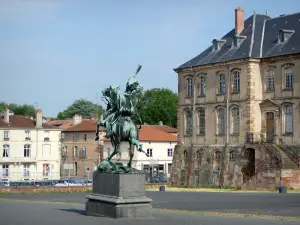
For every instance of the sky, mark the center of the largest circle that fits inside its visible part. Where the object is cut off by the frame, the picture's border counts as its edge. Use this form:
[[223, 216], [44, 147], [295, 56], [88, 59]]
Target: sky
[[53, 52]]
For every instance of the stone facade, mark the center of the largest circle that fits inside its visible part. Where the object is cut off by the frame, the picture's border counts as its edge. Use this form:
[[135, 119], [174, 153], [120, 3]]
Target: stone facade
[[248, 147]]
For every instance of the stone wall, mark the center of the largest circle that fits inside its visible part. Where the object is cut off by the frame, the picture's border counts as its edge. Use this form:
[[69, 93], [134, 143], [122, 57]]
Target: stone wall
[[290, 178], [47, 189], [210, 166]]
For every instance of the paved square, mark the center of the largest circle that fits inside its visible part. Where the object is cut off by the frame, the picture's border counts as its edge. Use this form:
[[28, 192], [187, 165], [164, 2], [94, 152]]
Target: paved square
[[208, 208]]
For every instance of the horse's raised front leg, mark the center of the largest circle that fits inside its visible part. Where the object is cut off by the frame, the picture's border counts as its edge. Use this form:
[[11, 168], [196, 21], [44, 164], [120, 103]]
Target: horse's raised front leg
[[131, 154], [138, 145]]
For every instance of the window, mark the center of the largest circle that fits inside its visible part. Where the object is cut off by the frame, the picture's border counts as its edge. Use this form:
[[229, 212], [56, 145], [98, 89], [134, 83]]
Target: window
[[27, 135], [46, 135], [189, 87], [236, 82], [5, 151], [288, 73], [221, 121], [46, 151], [201, 115], [85, 137], [66, 137], [215, 45], [185, 154], [235, 121], [202, 86], [221, 88], [75, 137], [281, 36], [6, 135], [288, 119], [83, 152], [232, 156], [5, 170], [26, 169], [188, 123], [65, 151], [217, 155], [46, 169], [199, 156], [170, 152], [270, 80], [75, 151], [149, 152], [27, 149], [76, 168]]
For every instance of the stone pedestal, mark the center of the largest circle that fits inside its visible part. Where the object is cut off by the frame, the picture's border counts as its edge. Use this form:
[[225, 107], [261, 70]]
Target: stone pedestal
[[118, 196]]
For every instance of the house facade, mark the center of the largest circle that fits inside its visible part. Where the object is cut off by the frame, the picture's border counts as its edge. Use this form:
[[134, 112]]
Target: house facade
[[80, 152], [30, 149], [156, 142], [238, 106]]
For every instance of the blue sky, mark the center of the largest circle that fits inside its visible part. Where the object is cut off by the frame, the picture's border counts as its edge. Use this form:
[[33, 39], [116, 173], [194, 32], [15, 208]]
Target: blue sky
[[53, 52]]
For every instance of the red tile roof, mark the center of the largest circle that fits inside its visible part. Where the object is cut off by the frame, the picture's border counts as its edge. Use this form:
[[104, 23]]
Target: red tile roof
[[85, 125], [150, 133], [165, 128], [63, 124], [16, 121]]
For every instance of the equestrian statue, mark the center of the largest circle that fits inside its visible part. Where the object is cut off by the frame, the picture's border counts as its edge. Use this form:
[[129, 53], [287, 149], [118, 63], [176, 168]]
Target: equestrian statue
[[118, 123]]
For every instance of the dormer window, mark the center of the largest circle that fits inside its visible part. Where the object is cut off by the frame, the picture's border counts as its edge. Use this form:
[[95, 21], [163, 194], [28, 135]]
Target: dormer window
[[284, 35], [217, 44], [237, 40]]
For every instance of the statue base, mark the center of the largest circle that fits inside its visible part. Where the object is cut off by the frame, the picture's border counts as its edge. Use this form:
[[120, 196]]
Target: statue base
[[118, 195]]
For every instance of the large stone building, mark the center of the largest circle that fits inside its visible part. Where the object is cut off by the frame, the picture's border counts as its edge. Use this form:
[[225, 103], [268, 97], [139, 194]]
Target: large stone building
[[30, 149], [238, 107]]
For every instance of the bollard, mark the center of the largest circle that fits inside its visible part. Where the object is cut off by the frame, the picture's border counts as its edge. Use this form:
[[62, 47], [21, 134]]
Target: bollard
[[282, 189], [162, 188]]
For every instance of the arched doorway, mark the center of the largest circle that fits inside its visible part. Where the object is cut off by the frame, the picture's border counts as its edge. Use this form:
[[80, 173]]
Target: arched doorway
[[248, 169]]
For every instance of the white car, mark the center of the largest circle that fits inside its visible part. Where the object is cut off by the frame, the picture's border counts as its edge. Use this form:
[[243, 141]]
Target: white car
[[64, 183]]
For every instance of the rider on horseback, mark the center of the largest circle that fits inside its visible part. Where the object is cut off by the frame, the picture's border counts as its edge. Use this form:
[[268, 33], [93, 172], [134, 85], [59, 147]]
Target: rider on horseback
[[124, 104]]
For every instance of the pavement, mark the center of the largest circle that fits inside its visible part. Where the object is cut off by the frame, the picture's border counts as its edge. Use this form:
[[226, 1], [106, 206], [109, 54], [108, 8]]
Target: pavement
[[168, 208]]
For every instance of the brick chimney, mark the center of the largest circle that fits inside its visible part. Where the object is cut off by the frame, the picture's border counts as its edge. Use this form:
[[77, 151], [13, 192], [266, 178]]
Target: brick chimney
[[39, 118], [76, 119], [6, 115], [93, 116], [239, 20]]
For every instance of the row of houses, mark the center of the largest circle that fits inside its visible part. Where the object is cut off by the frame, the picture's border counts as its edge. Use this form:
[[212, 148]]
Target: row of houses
[[39, 150]]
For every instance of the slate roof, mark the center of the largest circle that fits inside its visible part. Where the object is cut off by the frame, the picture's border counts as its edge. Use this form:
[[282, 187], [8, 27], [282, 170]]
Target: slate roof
[[16, 121], [261, 42]]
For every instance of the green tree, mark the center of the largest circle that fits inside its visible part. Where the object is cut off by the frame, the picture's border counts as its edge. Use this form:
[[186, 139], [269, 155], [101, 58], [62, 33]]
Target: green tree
[[23, 110], [60, 116], [158, 104], [81, 107]]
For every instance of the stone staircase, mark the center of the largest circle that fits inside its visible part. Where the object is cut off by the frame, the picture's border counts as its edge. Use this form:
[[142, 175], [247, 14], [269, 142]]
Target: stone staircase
[[290, 158]]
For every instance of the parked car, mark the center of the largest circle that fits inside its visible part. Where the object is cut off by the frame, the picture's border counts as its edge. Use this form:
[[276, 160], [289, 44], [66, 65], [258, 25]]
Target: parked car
[[4, 182], [158, 179], [62, 183]]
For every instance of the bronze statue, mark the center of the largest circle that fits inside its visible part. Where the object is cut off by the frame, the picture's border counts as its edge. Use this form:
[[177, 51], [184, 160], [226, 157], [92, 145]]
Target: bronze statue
[[117, 120]]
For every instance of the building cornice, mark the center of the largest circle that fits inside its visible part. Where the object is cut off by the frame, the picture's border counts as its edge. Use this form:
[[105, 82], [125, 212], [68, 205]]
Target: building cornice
[[218, 65], [236, 62]]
